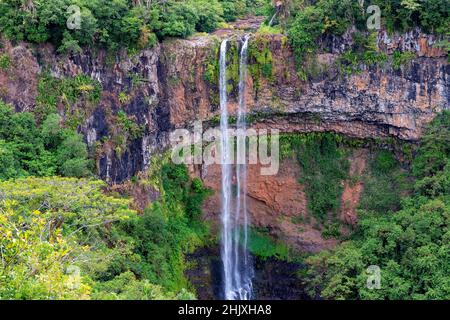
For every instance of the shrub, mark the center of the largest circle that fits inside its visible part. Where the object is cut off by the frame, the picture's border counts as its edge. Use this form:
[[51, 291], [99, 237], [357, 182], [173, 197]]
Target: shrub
[[178, 20], [401, 58], [42, 151], [115, 24], [209, 14], [304, 31], [384, 185], [333, 17], [435, 147], [431, 16], [324, 167], [264, 247], [10, 166]]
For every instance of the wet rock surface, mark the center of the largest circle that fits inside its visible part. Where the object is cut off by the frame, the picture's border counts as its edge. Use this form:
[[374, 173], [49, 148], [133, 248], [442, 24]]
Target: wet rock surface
[[273, 279]]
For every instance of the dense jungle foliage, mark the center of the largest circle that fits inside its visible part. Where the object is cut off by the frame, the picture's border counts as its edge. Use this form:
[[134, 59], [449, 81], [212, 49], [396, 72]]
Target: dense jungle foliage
[[65, 238], [47, 150], [408, 237], [118, 23]]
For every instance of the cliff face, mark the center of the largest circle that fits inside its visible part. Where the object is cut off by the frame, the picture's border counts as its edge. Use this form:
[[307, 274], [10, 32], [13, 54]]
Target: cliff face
[[377, 101], [167, 87], [175, 83]]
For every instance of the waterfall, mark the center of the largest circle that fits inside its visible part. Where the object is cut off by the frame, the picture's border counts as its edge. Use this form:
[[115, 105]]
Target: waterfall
[[226, 240], [238, 272], [245, 266]]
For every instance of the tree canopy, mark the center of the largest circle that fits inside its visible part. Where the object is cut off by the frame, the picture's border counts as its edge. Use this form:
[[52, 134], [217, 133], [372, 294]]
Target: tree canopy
[[26, 149], [115, 24]]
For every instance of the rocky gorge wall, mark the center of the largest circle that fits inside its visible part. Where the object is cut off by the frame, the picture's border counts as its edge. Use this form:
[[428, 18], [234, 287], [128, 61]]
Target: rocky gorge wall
[[168, 87], [175, 83]]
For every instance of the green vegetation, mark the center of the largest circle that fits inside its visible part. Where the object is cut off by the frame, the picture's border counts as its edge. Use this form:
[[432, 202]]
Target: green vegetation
[[259, 63], [384, 184], [5, 61], [125, 130], [312, 21], [168, 229], [266, 30], [50, 225], [234, 9], [323, 167], [332, 230], [64, 235], [432, 16], [123, 97], [401, 58], [26, 149], [411, 245], [232, 68], [264, 246], [445, 45], [67, 92], [260, 60], [434, 153], [128, 126], [212, 70], [363, 53], [116, 24], [64, 238]]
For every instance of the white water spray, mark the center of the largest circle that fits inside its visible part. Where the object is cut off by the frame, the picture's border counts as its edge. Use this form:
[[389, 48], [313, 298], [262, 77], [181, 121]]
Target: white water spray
[[226, 240], [238, 271]]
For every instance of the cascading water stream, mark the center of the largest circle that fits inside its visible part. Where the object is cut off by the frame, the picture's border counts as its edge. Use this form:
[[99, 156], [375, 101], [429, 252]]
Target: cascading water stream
[[242, 265], [238, 271], [226, 239]]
